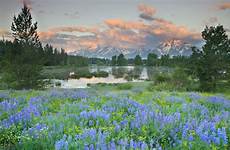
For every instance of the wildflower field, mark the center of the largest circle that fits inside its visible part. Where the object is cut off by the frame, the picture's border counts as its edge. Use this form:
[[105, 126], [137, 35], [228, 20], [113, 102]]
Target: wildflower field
[[107, 120]]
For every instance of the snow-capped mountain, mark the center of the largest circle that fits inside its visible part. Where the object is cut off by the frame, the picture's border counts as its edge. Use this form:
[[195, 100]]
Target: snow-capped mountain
[[172, 48], [175, 48]]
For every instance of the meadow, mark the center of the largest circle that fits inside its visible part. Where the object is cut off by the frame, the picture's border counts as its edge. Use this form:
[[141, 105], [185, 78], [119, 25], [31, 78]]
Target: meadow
[[127, 116]]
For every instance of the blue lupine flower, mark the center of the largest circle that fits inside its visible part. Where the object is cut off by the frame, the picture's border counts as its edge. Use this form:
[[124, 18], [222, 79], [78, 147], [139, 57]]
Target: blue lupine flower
[[190, 138], [112, 145], [62, 144], [195, 96]]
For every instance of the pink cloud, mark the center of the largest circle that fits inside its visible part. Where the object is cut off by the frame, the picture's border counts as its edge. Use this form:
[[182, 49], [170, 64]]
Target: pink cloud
[[5, 34], [148, 10], [46, 35], [118, 23], [170, 30], [224, 6], [74, 29], [120, 33]]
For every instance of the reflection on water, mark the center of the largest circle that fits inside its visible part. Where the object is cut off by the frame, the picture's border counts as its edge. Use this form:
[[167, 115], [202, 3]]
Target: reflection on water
[[116, 75]]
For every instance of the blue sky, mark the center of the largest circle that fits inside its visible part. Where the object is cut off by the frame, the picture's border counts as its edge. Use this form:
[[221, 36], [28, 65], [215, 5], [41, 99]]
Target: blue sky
[[77, 24]]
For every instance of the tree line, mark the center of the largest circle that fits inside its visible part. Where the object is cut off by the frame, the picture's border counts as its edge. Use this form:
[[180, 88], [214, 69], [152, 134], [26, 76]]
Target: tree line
[[151, 60]]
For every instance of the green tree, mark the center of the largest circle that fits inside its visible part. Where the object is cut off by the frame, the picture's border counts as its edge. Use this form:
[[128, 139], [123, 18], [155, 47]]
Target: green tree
[[152, 59], [212, 63], [121, 61], [23, 29], [138, 60], [114, 60], [23, 59], [63, 57], [165, 60]]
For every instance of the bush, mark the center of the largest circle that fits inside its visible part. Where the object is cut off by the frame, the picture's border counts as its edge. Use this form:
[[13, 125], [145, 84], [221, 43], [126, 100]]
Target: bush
[[178, 80], [102, 74], [82, 74], [160, 78], [124, 86], [9, 137], [57, 83], [161, 87]]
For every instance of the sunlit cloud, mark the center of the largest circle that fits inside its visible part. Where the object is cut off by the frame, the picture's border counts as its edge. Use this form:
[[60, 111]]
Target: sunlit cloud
[[170, 30], [120, 33], [224, 6], [46, 35], [147, 12], [4, 34], [75, 29], [118, 23]]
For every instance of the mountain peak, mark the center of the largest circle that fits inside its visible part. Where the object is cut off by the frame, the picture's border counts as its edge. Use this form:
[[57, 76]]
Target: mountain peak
[[172, 47]]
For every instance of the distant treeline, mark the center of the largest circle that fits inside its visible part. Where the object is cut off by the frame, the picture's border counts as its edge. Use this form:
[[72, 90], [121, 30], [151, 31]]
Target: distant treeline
[[151, 60], [50, 56]]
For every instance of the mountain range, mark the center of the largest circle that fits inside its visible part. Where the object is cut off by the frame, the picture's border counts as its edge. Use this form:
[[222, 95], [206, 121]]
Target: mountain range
[[172, 48]]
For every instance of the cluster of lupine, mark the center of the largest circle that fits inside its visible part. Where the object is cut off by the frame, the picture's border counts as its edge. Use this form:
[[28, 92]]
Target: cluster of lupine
[[82, 119]]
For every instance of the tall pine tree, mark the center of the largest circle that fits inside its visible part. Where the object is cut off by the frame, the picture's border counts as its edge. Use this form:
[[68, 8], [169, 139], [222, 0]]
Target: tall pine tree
[[23, 60], [212, 63]]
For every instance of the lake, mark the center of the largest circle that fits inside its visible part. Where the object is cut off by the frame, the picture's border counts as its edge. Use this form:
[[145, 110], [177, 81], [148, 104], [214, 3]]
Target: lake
[[121, 74]]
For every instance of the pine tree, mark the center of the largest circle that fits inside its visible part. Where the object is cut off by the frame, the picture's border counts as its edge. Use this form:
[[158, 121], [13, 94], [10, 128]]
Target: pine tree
[[114, 60], [152, 59], [213, 62], [121, 61], [23, 60], [24, 31], [138, 60]]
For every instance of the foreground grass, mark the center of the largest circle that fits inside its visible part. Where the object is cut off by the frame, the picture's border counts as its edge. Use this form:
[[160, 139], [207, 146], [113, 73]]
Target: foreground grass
[[114, 117]]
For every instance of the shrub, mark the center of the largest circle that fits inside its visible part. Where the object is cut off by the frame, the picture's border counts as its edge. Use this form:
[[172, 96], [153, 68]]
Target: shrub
[[10, 137], [57, 83], [124, 86], [178, 80], [160, 78], [103, 74]]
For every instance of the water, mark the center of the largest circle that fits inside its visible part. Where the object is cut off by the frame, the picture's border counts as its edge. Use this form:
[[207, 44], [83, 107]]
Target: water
[[116, 75]]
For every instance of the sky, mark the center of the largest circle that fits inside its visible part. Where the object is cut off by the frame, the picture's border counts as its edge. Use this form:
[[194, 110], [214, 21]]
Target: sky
[[89, 24]]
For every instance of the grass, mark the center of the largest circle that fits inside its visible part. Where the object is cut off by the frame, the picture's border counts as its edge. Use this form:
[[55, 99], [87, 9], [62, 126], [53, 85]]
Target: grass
[[114, 116]]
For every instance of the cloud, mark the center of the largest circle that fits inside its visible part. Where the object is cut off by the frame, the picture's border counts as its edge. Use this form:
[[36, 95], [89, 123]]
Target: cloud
[[60, 37], [146, 17], [169, 30], [224, 6], [120, 33], [75, 29], [5, 34], [46, 35], [118, 23], [147, 12], [53, 32]]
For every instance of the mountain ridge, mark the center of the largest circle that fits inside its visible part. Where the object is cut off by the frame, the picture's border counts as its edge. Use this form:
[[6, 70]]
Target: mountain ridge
[[172, 48]]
